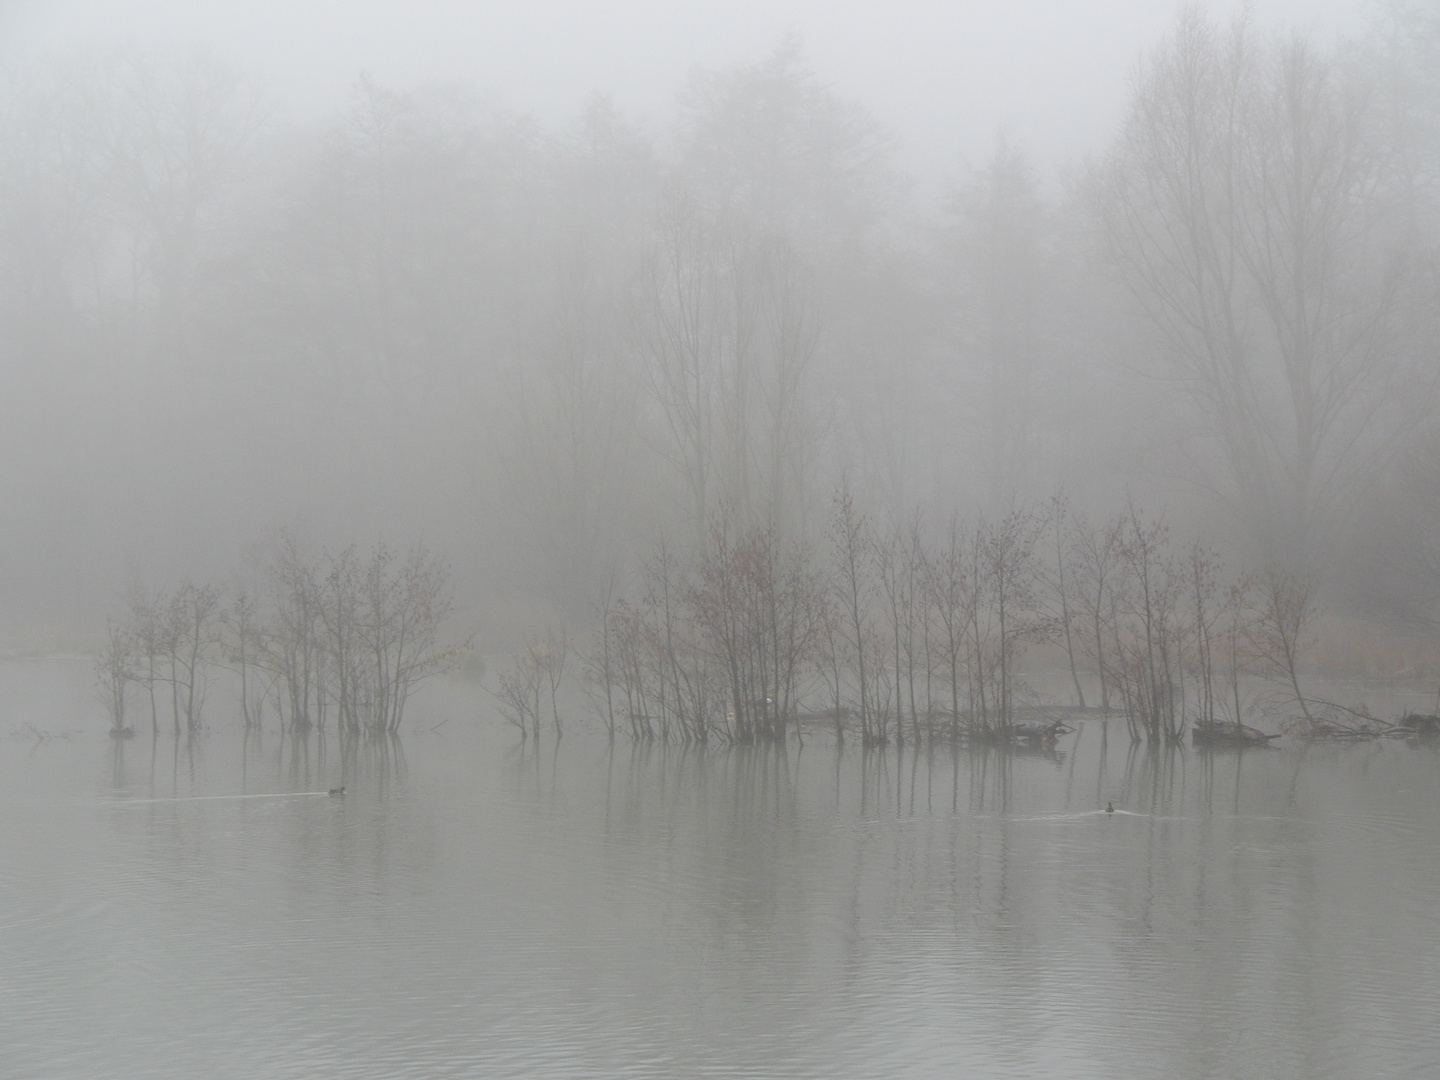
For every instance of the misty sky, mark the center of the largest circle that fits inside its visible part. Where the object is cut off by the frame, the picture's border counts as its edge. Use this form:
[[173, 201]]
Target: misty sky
[[945, 76]]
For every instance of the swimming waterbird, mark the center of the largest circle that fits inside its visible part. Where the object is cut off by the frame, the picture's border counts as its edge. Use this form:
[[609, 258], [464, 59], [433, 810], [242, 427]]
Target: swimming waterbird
[[1109, 806], [337, 791]]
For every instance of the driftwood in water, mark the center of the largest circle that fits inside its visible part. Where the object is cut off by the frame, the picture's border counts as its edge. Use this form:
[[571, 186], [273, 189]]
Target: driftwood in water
[[1419, 724], [1329, 720], [1357, 725], [1220, 733], [1042, 734]]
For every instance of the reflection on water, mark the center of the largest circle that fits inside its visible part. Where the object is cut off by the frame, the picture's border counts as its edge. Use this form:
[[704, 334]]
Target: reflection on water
[[476, 908]]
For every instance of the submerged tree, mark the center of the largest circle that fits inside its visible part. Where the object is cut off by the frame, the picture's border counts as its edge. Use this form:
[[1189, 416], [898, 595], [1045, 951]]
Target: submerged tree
[[1287, 611], [404, 606], [854, 632], [244, 643], [114, 672], [539, 668], [756, 605], [335, 636], [193, 613], [294, 643]]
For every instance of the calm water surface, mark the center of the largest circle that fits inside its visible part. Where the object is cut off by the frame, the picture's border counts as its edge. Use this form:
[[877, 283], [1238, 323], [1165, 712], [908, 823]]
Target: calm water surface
[[476, 909]]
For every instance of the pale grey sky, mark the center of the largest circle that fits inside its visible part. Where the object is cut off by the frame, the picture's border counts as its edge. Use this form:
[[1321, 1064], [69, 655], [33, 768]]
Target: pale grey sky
[[945, 76]]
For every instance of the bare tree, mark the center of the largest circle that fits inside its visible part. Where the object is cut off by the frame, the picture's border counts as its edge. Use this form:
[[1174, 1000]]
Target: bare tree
[[403, 609], [114, 672], [1238, 207], [1009, 572], [551, 654], [898, 559], [172, 138], [295, 650], [854, 631], [1201, 568], [520, 690], [149, 629], [601, 660], [1095, 559], [1287, 611], [244, 646], [1058, 577], [194, 614], [951, 588], [339, 589], [1000, 257], [686, 347], [755, 603], [573, 457], [1147, 630]]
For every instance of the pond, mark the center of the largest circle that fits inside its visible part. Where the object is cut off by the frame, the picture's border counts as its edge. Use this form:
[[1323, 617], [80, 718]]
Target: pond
[[477, 907]]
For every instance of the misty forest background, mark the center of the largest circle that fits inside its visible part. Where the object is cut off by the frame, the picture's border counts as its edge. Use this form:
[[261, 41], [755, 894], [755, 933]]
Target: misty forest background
[[549, 355]]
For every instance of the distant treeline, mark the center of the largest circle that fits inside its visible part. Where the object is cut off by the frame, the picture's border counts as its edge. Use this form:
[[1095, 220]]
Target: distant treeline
[[542, 349], [908, 631], [343, 639]]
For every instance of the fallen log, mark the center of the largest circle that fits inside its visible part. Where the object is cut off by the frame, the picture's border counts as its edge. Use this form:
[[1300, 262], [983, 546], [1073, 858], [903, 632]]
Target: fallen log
[[1223, 733]]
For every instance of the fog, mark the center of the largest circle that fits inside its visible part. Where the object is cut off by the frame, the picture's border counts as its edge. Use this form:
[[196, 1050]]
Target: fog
[[944, 78], [749, 539], [547, 288]]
